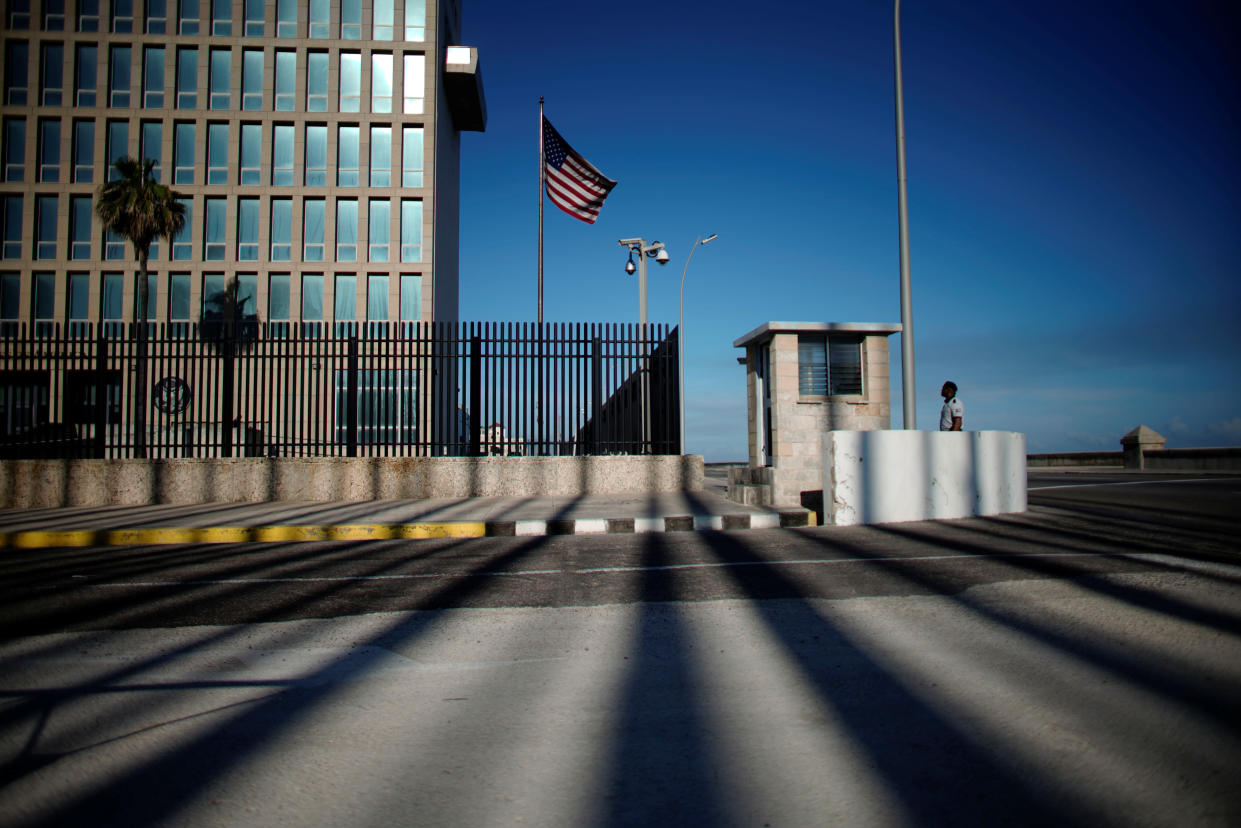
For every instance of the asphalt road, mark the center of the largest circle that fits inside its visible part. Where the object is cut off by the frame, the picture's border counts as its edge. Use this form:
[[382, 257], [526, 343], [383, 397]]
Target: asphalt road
[[1080, 663]]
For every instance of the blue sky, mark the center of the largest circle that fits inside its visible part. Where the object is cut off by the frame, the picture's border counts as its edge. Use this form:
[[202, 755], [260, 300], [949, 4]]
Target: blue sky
[[1074, 198]]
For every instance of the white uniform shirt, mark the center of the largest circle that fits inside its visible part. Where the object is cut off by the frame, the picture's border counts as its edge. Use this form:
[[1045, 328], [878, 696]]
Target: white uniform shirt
[[952, 408]]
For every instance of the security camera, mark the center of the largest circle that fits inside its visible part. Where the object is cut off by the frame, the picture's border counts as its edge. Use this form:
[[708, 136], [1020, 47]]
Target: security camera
[[662, 256]]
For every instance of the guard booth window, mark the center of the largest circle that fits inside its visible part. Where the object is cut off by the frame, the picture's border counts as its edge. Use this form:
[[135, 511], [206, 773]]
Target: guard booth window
[[829, 365]]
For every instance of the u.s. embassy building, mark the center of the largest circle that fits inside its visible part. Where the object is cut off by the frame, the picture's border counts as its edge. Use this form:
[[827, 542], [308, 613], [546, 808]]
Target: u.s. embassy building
[[315, 145]]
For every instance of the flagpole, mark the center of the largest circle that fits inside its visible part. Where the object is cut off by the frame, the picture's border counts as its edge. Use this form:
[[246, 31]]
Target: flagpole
[[542, 175]]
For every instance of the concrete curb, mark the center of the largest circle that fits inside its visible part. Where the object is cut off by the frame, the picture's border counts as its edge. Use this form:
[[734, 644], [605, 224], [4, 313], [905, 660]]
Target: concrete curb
[[40, 539]]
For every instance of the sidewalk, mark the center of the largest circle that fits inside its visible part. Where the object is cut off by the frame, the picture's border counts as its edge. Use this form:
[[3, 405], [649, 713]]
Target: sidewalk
[[474, 517]]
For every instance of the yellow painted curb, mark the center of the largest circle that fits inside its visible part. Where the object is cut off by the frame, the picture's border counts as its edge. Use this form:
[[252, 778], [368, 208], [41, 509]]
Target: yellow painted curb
[[240, 534]]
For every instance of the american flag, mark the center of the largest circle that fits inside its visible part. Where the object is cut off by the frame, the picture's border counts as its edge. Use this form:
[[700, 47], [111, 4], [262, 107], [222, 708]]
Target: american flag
[[573, 183]]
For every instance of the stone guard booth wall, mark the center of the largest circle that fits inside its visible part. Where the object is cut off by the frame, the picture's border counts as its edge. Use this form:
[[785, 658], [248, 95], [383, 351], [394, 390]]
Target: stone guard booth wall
[[796, 393]]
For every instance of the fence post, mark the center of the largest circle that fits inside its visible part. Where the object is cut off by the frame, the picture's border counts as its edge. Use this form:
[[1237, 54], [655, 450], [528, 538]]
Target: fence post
[[596, 394], [476, 396], [228, 347], [101, 395], [351, 397]]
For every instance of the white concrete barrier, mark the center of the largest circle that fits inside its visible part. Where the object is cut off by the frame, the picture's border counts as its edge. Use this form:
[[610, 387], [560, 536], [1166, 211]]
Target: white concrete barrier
[[892, 476]]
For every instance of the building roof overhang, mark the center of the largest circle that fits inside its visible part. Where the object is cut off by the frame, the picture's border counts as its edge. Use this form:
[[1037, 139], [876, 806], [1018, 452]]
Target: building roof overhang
[[463, 84], [767, 330]]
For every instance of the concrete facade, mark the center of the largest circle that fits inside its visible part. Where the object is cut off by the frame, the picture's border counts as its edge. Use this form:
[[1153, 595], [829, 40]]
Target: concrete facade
[[786, 426], [894, 476], [44, 484]]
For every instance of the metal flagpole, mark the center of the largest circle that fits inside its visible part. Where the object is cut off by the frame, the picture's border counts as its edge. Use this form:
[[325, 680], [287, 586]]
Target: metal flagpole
[[542, 177], [909, 404]]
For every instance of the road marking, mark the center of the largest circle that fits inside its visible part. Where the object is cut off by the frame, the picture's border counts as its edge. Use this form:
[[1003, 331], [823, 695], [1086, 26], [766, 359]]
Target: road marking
[[1155, 558], [1125, 483]]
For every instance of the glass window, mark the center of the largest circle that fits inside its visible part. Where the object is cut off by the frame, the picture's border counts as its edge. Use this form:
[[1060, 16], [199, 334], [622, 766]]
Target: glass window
[[383, 19], [255, 10], [117, 147], [282, 155], [187, 17], [252, 79], [77, 304], [12, 246], [377, 301], [79, 226], [312, 302], [88, 15], [113, 245], [86, 75], [183, 241], [53, 15], [214, 230], [411, 297], [219, 78], [214, 297], [316, 81], [119, 77], [217, 153], [13, 153], [829, 365], [222, 17], [316, 155], [153, 78], [281, 229], [312, 229], [45, 227], [381, 82], [157, 16], [152, 141], [52, 74], [411, 156], [278, 304], [44, 304], [179, 297], [10, 302], [187, 78], [286, 80], [381, 156], [184, 144], [247, 230], [350, 19], [347, 156], [414, 83], [319, 19], [411, 230], [286, 18], [346, 229], [345, 303], [16, 72], [83, 152], [415, 20], [111, 302], [379, 235], [123, 16], [251, 153], [350, 81], [49, 150], [19, 14]]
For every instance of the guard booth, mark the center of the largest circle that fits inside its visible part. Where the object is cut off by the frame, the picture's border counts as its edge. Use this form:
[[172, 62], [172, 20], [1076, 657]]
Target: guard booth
[[804, 379]]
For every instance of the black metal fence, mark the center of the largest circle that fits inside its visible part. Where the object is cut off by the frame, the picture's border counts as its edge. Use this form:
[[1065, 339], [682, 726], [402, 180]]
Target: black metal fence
[[339, 389]]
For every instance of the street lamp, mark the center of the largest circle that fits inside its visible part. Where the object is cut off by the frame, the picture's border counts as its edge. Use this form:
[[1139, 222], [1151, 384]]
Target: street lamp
[[908, 403], [681, 333], [654, 250]]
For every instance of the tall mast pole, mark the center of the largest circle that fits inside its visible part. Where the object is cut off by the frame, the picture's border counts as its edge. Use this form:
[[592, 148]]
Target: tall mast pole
[[909, 403]]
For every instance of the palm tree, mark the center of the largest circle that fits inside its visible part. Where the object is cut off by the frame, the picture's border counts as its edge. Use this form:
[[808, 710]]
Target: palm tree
[[138, 208]]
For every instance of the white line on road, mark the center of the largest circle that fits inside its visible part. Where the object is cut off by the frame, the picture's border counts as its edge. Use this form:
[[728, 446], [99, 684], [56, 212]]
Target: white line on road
[[1165, 560]]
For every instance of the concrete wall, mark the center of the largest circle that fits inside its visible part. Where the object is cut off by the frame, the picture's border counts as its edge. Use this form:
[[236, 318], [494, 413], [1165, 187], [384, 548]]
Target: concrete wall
[[891, 476], [37, 484]]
